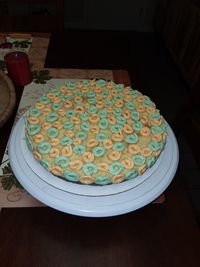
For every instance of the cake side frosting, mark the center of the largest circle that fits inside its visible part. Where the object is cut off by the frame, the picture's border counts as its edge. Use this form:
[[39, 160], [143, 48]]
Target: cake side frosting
[[95, 132]]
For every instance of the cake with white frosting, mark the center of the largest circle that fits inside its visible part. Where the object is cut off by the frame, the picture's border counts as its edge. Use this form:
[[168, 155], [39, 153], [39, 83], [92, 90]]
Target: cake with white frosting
[[95, 132]]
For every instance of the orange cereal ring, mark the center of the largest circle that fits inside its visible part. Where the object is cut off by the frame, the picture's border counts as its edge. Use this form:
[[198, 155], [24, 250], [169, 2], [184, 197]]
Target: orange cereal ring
[[99, 97], [97, 89], [79, 85], [140, 108], [75, 120], [84, 89], [63, 89], [54, 141], [46, 111], [154, 122], [146, 151], [164, 136], [127, 129], [117, 178], [69, 133], [50, 95], [102, 166], [38, 138], [68, 92], [54, 152], [61, 112], [128, 163], [77, 141], [112, 119], [56, 170], [126, 90], [46, 125], [37, 156], [92, 142], [113, 92], [67, 151], [133, 149], [88, 156], [151, 110], [157, 137], [141, 169], [79, 109], [114, 155], [119, 103], [33, 120], [58, 125], [68, 104], [75, 164], [57, 99], [145, 131], [109, 109], [99, 104], [94, 128], [94, 118], [78, 99], [140, 98], [86, 179], [117, 137], [39, 105], [109, 86], [126, 114], [128, 98], [107, 143], [144, 119]]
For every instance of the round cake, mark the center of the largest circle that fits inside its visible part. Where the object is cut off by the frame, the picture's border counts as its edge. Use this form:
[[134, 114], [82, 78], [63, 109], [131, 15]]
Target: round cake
[[95, 132]]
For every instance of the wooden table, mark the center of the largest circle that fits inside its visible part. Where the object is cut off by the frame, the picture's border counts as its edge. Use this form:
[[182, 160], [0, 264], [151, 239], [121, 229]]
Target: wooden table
[[156, 235]]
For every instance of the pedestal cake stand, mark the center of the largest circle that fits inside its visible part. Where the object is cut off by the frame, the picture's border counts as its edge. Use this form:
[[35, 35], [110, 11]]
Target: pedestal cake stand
[[89, 201]]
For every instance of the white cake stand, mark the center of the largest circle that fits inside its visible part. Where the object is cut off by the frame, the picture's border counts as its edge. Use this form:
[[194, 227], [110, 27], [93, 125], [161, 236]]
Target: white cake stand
[[121, 202]]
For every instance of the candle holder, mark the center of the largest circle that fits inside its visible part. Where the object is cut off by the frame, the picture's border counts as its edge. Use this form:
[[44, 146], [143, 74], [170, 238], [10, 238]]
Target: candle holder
[[18, 67]]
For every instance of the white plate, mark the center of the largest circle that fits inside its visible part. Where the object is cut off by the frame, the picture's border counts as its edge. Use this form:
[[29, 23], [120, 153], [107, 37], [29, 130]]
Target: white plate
[[79, 189], [93, 206]]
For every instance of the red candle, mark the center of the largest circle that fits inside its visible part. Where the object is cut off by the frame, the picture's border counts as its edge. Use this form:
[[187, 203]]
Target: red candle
[[18, 66]]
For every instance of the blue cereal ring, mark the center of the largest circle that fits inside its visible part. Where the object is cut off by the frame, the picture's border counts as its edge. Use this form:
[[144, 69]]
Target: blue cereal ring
[[66, 140], [71, 176], [79, 149], [131, 138], [44, 147], [139, 160], [62, 161], [102, 180], [51, 117], [52, 132], [90, 168], [33, 129], [116, 168], [99, 151], [131, 174]]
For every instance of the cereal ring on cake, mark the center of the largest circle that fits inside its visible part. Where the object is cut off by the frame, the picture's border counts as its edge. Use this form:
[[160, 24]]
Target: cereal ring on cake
[[44, 147], [131, 138], [156, 137], [90, 168], [151, 110], [128, 98], [57, 99], [88, 156], [54, 152], [52, 132], [77, 141], [128, 163], [50, 95], [102, 180], [33, 129], [67, 151], [114, 155], [75, 120], [139, 160], [127, 129], [119, 103], [109, 109], [33, 120], [46, 111], [155, 122], [142, 169], [92, 143], [52, 117], [140, 98], [62, 161], [102, 166], [144, 119], [79, 149], [117, 178], [79, 109], [39, 105], [61, 112], [117, 137], [46, 125], [126, 113], [133, 149], [146, 151], [112, 119], [99, 151], [37, 156], [140, 108], [75, 164], [99, 104], [131, 174], [58, 125], [87, 179], [69, 133], [94, 118], [107, 143], [113, 92], [56, 170], [145, 131], [54, 141], [68, 104], [94, 128], [78, 99], [99, 97], [38, 138], [63, 89], [119, 146]]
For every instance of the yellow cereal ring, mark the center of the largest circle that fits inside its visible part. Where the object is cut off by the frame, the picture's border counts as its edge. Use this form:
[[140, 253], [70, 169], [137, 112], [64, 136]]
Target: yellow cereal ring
[[92, 142], [38, 138], [127, 129], [46, 111], [140, 98], [140, 108], [117, 178], [164, 136], [102, 166], [56, 170], [75, 164], [78, 99], [69, 133], [88, 156], [57, 99], [128, 98], [141, 169], [145, 131], [75, 120], [94, 118], [99, 97], [126, 91], [67, 151], [117, 137], [107, 143], [114, 155], [63, 89], [84, 89], [99, 104], [97, 89], [77, 141], [37, 156], [79, 109], [39, 105], [113, 92], [119, 103], [54, 152], [146, 151], [144, 119], [126, 113], [86, 179], [112, 119], [133, 149], [58, 125], [157, 137], [54, 141], [79, 85], [33, 120], [109, 109], [46, 125], [51, 95], [109, 86], [128, 163], [151, 110], [94, 128], [68, 92], [68, 104], [154, 122], [61, 112]]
